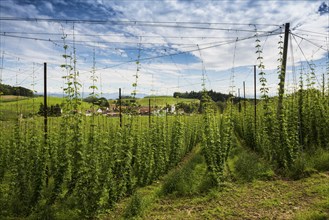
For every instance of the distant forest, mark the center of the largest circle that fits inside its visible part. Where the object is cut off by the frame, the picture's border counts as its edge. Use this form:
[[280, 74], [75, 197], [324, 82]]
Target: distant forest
[[215, 96], [13, 90]]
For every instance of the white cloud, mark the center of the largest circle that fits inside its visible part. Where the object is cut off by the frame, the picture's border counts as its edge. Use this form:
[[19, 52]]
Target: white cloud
[[49, 6], [112, 41]]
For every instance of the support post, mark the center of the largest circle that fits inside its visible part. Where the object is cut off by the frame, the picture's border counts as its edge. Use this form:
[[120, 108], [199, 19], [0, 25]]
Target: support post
[[45, 119], [244, 97], [149, 112], [255, 101], [239, 100], [120, 110], [167, 109], [323, 84], [45, 107], [283, 69], [300, 116]]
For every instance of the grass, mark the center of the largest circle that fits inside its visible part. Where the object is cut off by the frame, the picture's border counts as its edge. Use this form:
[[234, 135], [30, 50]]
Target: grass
[[311, 215], [188, 180], [248, 167], [11, 98], [320, 160], [309, 163], [256, 194], [276, 199], [15, 105], [143, 199], [135, 207]]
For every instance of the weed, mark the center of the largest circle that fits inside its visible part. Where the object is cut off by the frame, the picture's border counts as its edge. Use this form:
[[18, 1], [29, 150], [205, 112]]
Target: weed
[[249, 167], [320, 160], [187, 180], [311, 215], [135, 207], [300, 169]]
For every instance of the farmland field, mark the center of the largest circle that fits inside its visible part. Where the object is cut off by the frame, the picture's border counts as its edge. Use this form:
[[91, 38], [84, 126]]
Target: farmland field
[[12, 106], [10, 98], [208, 156], [219, 109]]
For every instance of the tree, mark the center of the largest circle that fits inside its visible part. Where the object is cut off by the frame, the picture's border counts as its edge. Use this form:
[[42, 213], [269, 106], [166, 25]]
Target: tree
[[91, 99], [188, 107], [102, 102], [12, 90], [53, 110]]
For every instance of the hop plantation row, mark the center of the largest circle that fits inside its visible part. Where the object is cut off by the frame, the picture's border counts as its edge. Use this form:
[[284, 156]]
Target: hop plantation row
[[87, 164], [302, 128], [285, 129], [82, 165]]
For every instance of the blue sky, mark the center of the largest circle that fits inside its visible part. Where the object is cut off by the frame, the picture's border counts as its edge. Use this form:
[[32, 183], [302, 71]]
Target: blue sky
[[179, 41]]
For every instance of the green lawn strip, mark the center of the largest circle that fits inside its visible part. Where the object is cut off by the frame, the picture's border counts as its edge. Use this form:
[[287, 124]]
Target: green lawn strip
[[10, 110], [138, 205], [319, 207], [258, 196], [279, 199]]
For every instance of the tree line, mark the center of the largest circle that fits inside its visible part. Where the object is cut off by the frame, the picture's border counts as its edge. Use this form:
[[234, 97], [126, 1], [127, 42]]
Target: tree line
[[215, 96], [15, 90]]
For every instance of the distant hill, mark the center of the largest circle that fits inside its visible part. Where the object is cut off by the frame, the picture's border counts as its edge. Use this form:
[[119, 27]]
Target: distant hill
[[13, 90]]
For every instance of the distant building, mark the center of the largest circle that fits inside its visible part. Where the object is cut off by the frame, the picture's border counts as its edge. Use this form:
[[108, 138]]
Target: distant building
[[113, 114], [172, 109], [88, 113], [144, 110]]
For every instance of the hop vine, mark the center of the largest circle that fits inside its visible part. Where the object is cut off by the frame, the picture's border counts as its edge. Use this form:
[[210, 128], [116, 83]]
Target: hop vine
[[264, 89]]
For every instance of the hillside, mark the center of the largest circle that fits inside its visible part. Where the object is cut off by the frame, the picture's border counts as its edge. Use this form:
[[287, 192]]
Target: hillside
[[162, 101], [15, 90], [11, 105], [11, 98]]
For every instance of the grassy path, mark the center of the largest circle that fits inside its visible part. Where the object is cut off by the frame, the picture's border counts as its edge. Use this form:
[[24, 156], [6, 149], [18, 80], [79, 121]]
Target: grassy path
[[149, 195], [279, 199]]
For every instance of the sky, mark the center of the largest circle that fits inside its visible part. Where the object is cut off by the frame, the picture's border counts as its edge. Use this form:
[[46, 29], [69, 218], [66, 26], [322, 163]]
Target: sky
[[171, 45]]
